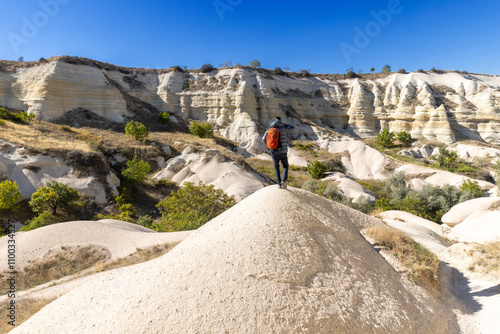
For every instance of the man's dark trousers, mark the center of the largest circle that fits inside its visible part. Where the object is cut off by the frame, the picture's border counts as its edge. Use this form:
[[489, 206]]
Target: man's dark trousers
[[284, 161]]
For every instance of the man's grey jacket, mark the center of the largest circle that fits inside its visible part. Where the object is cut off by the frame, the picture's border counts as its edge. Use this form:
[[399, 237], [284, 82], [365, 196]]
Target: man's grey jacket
[[284, 129]]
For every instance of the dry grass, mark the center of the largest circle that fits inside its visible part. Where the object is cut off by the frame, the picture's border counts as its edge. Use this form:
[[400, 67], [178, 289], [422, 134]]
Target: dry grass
[[486, 260], [42, 137], [141, 255], [55, 265], [25, 308], [423, 265]]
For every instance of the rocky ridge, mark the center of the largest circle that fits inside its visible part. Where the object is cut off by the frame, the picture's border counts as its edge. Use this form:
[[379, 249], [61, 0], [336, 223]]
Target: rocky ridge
[[443, 107]]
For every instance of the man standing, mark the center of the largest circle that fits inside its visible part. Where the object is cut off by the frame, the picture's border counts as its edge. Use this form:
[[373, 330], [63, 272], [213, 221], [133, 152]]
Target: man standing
[[280, 152]]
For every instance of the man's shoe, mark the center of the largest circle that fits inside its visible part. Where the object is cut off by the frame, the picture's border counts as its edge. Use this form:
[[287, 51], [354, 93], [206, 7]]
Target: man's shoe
[[283, 185]]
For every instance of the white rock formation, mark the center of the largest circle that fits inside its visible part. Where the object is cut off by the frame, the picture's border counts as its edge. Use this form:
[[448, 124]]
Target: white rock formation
[[461, 211], [32, 172], [119, 238], [362, 162], [438, 178], [349, 187], [442, 107], [281, 261], [211, 168], [483, 226]]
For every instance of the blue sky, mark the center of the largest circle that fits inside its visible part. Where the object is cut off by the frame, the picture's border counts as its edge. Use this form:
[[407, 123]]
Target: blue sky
[[323, 36]]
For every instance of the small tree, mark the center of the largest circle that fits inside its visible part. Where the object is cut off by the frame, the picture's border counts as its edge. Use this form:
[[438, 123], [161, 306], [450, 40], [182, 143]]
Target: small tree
[[54, 195], [385, 138], [255, 63], [192, 206], [386, 68], [164, 118], [470, 189], [372, 69], [404, 138], [9, 195], [316, 169], [206, 68], [203, 131], [446, 157], [136, 170], [43, 219], [402, 70], [136, 130]]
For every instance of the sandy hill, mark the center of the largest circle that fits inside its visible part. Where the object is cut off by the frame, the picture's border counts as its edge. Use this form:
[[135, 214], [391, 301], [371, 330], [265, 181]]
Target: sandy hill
[[117, 238], [280, 261]]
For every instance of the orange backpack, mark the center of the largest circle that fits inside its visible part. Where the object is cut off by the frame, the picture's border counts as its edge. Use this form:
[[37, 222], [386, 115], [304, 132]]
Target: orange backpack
[[272, 138]]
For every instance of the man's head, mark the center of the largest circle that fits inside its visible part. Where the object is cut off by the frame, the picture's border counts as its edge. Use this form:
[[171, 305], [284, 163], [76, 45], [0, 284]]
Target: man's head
[[278, 118]]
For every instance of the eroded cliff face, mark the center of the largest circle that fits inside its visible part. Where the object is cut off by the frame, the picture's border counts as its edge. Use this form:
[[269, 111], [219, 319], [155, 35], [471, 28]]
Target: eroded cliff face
[[442, 107]]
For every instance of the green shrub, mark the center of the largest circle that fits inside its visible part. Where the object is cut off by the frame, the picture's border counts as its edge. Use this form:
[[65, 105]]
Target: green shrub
[[65, 128], [9, 195], [332, 192], [145, 221], [304, 147], [395, 186], [192, 206], [206, 68], [362, 204], [404, 138], [136, 130], [55, 195], [386, 68], [136, 170], [43, 219], [2, 122], [255, 63], [23, 117], [316, 169], [446, 157], [385, 138], [310, 185], [470, 189], [26, 117], [164, 118], [203, 131]]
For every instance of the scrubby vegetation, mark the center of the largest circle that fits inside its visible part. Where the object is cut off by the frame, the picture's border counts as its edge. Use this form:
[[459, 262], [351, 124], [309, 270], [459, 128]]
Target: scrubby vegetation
[[136, 130], [423, 265], [385, 138], [317, 169], [43, 219], [136, 170], [9, 195], [486, 259], [203, 131], [192, 206], [430, 203], [56, 197], [21, 117], [164, 118]]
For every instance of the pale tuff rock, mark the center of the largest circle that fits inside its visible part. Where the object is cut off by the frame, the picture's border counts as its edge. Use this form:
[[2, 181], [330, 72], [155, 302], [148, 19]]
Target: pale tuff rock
[[482, 225], [211, 168], [437, 178], [117, 237], [281, 261], [32, 172], [423, 152], [349, 187], [362, 162], [461, 211], [441, 107]]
